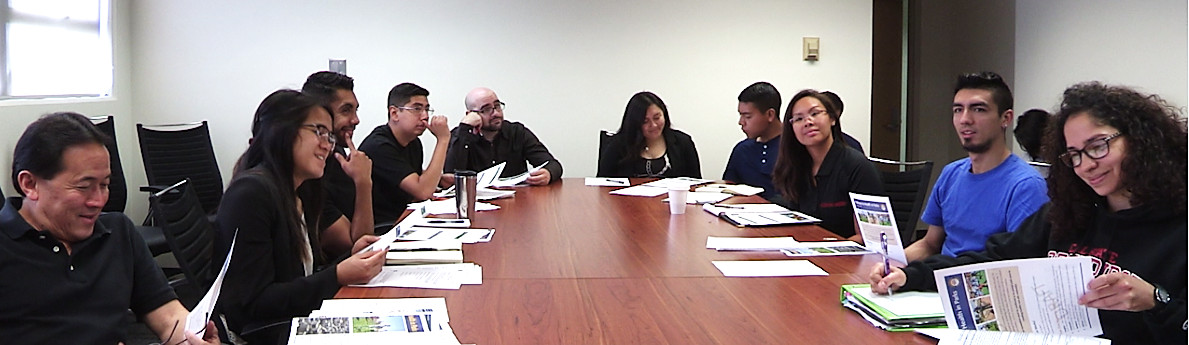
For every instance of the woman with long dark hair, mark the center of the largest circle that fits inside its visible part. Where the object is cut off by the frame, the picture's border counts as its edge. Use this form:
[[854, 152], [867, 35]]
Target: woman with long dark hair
[[815, 170], [646, 145], [273, 201], [1117, 190]]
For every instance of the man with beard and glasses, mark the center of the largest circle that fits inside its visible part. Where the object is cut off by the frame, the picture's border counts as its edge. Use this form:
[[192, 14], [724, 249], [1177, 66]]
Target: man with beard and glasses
[[992, 190], [483, 139]]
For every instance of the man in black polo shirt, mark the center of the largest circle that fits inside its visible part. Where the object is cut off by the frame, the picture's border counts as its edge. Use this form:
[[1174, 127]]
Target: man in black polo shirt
[[397, 176], [347, 214], [71, 273], [483, 139]]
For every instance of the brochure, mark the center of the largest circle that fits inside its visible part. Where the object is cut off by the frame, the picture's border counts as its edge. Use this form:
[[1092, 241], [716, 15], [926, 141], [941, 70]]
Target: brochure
[[877, 221], [1025, 295]]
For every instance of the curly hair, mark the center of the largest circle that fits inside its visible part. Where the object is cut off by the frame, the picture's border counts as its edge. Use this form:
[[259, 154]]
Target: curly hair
[[1153, 169]]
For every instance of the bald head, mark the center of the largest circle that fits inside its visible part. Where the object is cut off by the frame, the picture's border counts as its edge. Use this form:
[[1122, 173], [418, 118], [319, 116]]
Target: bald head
[[483, 101]]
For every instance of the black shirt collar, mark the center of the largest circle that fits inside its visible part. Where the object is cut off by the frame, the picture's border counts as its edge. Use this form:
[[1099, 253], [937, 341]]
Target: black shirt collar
[[833, 156], [15, 226]]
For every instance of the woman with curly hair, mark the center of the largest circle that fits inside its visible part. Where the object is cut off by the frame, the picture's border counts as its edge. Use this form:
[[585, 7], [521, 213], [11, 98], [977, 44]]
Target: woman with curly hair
[[1117, 193]]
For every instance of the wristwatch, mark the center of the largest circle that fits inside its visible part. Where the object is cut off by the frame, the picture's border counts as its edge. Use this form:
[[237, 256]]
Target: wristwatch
[[1161, 295]]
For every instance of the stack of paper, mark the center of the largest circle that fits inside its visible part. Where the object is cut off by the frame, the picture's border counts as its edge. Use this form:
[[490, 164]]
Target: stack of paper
[[901, 311], [370, 321], [467, 235], [640, 190], [439, 251], [826, 249], [950, 336], [750, 243], [742, 215], [445, 276], [447, 206], [698, 198]]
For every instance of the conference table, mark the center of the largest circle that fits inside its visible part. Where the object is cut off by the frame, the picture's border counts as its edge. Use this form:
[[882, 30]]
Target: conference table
[[572, 264]]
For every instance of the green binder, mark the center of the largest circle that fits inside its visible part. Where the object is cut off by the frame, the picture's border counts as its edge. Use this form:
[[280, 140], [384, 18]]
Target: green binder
[[902, 311]]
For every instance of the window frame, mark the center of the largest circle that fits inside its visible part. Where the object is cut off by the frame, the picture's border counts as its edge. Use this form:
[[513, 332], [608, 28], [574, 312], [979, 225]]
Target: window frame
[[102, 28]]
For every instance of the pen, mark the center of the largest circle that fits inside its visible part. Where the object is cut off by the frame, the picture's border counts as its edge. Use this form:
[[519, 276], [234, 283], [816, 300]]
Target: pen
[[435, 234], [460, 235], [614, 181], [446, 221], [485, 236], [729, 206], [887, 269]]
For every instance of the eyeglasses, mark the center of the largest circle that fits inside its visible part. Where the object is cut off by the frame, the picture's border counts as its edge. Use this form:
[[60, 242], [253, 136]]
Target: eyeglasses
[[418, 109], [322, 132], [815, 113], [1095, 150], [490, 108]]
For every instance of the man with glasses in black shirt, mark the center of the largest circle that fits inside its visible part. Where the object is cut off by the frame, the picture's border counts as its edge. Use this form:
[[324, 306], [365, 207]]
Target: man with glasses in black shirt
[[483, 139]]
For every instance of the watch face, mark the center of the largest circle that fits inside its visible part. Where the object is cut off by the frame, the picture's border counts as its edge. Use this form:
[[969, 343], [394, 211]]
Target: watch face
[[1162, 295]]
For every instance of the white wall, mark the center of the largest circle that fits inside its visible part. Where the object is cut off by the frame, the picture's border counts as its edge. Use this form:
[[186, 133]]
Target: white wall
[[17, 114], [1143, 44], [565, 68]]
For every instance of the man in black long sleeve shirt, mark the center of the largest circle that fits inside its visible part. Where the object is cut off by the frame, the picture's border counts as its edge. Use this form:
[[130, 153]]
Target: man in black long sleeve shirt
[[483, 139]]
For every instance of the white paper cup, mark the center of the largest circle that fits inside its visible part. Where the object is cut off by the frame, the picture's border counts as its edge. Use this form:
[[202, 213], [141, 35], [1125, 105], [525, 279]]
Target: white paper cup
[[677, 198]]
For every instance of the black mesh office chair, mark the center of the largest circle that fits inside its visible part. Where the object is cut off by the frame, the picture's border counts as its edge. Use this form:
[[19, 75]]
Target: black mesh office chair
[[190, 235], [117, 198], [177, 152], [604, 137], [907, 185]]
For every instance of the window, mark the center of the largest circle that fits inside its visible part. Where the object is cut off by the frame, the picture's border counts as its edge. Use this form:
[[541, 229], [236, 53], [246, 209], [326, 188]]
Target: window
[[55, 48]]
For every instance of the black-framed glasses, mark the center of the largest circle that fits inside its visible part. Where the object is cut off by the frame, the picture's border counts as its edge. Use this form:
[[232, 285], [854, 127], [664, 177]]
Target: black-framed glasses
[[490, 108], [418, 109], [1096, 149], [322, 132]]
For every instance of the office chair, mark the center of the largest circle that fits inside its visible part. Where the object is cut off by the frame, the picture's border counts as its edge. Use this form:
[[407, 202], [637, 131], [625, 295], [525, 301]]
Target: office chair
[[177, 152], [190, 235], [117, 198], [906, 185], [604, 138]]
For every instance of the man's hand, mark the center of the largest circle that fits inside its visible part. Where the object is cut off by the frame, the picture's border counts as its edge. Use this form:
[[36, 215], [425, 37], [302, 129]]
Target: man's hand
[[884, 284], [539, 177], [439, 127], [357, 165], [473, 119], [1119, 291], [210, 337]]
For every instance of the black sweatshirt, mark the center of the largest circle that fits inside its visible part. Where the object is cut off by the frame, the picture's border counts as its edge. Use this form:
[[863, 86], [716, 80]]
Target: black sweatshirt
[[1147, 242]]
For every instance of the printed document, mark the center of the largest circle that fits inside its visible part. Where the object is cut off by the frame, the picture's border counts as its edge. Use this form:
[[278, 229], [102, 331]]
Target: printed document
[[750, 243], [769, 268], [876, 218], [826, 249], [949, 336], [196, 321], [1026, 295]]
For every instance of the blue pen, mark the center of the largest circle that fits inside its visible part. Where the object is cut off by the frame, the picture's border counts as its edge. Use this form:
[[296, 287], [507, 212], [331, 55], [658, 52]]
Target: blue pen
[[887, 269]]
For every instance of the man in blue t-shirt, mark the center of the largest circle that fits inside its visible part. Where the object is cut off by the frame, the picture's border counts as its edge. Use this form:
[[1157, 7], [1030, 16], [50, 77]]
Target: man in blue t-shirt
[[989, 192], [752, 158]]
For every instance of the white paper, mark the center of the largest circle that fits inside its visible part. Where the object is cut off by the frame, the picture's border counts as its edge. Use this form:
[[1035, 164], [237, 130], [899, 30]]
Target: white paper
[[607, 181], [1025, 295], [443, 223], [949, 336], [696, 198], [418, 233], [905, 303], [512, 181], [197, 319], [384, 306], [481, 193], [750, 243], [737, 189], [641, 190], [488, 177], [826, 249], [875, 217], [677, 182], [447, 206], [444, 276], [386, 329], [717, 209], [769, 268], [415, 217]]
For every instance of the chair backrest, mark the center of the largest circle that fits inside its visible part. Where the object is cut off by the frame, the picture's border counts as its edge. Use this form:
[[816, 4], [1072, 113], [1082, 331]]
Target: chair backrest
[[117, 197], [190, 235], [185, 153], [604, 137], [907, 186]]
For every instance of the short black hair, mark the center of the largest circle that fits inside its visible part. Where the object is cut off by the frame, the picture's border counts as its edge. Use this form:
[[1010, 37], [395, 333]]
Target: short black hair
[[763, 95], [834, 99], [323, 85], [40, 148], [401, 93], [990, 81], [1030, 130]]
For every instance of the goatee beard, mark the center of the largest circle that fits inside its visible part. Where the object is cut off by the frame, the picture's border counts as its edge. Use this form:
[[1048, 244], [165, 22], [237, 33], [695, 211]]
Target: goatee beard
[[976, 148]]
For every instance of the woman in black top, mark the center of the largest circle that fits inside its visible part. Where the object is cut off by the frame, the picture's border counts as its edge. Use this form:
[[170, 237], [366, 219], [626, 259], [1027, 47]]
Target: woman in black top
[[816, 171], [1117, 191], [274, 272], [646, 145]]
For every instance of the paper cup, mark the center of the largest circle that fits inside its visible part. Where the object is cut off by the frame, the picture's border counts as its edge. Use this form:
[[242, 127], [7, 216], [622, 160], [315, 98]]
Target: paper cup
[[677, 198]]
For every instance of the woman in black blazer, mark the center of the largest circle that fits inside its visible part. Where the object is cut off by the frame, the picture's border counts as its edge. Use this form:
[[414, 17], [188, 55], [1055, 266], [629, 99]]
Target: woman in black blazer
[[275, 272], [646, 145]]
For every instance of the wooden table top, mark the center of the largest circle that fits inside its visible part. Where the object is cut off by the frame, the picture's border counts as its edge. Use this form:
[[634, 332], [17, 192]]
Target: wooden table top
[[571, 264]]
